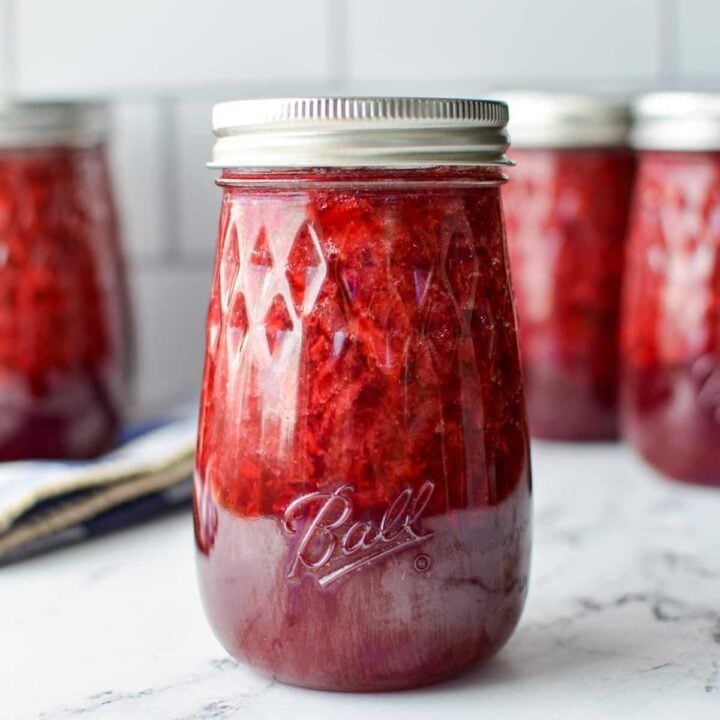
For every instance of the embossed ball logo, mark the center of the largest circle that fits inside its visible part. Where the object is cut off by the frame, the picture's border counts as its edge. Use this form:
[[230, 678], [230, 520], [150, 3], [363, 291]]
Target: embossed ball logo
[[332, 543]]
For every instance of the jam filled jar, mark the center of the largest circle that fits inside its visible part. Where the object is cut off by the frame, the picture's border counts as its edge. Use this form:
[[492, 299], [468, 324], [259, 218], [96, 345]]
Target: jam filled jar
[[64, 325], [362, 490], [567, 209], [671, 311]]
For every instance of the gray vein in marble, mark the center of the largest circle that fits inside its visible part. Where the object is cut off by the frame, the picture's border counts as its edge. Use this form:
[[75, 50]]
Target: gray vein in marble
[[687, 564], [664, 608], [712, 684], [133, 702], [623, 620]]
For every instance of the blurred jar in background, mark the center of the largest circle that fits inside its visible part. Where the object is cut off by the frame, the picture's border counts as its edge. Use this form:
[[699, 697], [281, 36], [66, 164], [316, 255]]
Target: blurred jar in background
[[671, 322], [64, 319], [566, 211]]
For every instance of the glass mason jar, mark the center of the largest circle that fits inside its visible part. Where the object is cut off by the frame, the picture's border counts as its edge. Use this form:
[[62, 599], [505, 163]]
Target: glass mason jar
[[567, 209], [64, 324], [671, 321], [362, 490]]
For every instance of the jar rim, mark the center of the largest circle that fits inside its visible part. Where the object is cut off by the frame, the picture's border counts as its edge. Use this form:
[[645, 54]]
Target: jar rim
[[359, 131], [677, 121], [549, 120], [365, 178], [43, 124]]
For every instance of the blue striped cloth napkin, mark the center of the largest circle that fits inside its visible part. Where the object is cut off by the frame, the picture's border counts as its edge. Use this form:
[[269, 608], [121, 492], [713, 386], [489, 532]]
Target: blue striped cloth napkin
[[47, 504]]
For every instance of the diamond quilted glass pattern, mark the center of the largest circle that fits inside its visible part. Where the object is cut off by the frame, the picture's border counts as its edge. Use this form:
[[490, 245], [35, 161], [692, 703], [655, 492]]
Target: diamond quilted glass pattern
[[278, 324], [258, 273], [462, 264], [305, 268], [237, 324], [214, 324], [261, 255], [230, 265], [441, 328]]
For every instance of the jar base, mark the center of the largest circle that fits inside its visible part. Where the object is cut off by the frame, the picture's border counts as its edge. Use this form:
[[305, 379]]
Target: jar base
[[77, 424], [394, 623], [565, 408], [665, 420], [396, 685]]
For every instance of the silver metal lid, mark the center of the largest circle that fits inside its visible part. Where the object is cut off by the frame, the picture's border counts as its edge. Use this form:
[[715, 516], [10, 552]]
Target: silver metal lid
[[677, 121], [359, 131], [44, 124], [564, 120]]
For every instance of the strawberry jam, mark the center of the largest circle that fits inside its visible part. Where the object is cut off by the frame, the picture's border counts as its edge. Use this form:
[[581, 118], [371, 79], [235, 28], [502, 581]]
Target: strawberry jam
[[566, 209], [362, 485], [63, 303], [566, 247], [671, 328], [566, 242]]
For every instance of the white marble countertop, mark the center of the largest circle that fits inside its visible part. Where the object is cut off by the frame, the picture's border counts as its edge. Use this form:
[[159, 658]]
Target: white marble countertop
[[623, 619]]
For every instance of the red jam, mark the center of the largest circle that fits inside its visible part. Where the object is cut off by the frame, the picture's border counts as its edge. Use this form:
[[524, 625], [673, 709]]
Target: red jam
[[363, 480], [671, 328], [566, 216], [63, 305]]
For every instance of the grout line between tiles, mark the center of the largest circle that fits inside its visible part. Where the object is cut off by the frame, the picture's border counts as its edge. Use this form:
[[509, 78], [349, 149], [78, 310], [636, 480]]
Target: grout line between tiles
[[8, 47], [342, 84], [667, 43], [181, 262], [337, 20], [171, 250]]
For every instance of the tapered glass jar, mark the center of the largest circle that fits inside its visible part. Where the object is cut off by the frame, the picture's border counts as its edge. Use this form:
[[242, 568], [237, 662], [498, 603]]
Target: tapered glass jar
[[65, 337], [567, 209], [671, 318], [362, 484]]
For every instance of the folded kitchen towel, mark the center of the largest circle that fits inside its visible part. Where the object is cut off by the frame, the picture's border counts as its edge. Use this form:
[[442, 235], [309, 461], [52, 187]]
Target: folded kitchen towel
[[45, 504]]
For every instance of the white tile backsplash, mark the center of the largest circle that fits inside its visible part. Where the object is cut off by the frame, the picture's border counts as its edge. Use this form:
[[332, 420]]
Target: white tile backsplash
[[5, 48], [137, 162], [163, 63], [698, 41], [89, 46], [197, 196], [421, 41], [170, 305]]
